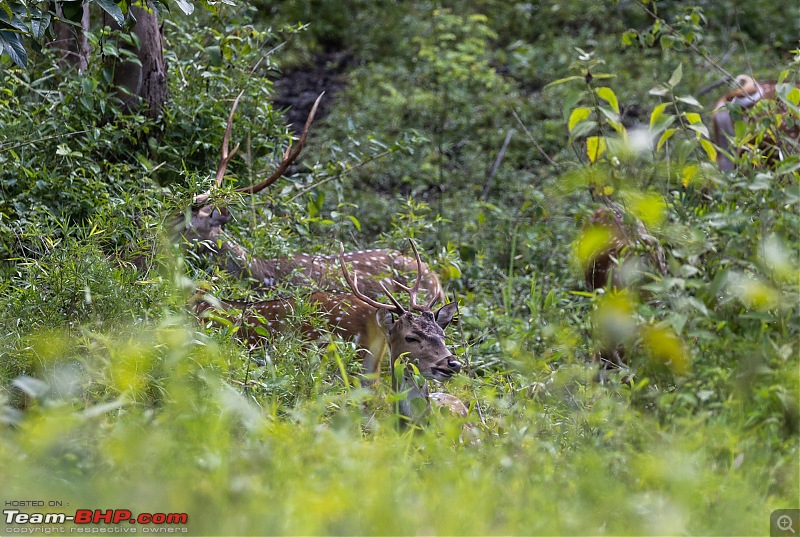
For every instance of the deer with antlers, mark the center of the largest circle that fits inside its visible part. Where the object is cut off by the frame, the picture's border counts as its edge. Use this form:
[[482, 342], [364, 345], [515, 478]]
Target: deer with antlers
[[415, 335], [771, 146], [376, 268]]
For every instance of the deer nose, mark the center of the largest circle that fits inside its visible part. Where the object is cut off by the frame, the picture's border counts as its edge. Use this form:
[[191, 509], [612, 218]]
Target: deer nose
[[454, 364]]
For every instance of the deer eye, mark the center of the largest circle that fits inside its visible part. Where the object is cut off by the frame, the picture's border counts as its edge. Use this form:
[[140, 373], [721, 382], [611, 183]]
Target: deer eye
[[411, 339]]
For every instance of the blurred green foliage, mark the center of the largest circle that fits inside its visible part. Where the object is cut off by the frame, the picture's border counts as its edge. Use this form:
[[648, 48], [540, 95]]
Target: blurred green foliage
[[114, 396]]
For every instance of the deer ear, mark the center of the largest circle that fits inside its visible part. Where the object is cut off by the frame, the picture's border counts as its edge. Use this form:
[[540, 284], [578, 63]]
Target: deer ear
[[385, 320], [445, 314], [220, 216]]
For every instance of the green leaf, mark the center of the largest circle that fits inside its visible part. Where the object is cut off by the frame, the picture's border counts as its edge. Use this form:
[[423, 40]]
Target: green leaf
[[355, 222], [39, 25], [583, 128], [629, 36], [608, 95], [563, 81], [740, 129], [186, 6], [688, 99], [700, 129], [659, 91], [12, 21], [578, 115], [12, 45], [111, 7], [676, 77]]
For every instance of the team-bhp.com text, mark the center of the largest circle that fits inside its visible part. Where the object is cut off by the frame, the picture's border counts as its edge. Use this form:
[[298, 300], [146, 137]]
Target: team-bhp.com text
[[88, 521]]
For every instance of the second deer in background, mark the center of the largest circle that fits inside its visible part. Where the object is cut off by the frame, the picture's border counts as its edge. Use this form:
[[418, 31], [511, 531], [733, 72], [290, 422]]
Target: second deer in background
[[374, 267], [772, 146]]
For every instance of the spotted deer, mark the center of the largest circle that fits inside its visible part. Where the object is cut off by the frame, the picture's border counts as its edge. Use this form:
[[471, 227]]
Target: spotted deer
[[376, 268], [415, 336], [770, 147]]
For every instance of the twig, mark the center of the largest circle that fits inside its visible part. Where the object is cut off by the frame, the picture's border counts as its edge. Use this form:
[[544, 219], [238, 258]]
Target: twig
[[691, 46], [28, 142], [532, 139], [470, 372], [496, 164], [341, 173]]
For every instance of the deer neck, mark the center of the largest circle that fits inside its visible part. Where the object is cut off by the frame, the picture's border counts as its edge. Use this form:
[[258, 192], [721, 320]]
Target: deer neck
[[240, 261], [416, 406]]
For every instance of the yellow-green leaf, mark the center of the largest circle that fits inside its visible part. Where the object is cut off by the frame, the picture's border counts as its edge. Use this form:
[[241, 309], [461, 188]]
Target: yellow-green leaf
[[709, 149], [692, 117], [664, 137], [666, 348], [689, 173], [578, 115], [607, 94], [595, 147], [592, 241], [658, 111], [794, 96], [649, 207]]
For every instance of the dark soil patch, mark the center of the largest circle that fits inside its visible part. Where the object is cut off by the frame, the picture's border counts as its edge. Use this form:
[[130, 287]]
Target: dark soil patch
[[298, 88]]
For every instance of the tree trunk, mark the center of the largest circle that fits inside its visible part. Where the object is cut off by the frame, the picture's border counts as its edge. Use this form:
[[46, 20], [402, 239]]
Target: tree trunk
[[147, 81], [71, 40]]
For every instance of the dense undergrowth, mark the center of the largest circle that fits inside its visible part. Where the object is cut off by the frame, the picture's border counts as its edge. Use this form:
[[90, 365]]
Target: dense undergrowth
[[115, 397]]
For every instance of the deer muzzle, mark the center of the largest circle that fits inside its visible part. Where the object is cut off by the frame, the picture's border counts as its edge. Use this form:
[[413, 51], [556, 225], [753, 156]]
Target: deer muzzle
[[446, 372]]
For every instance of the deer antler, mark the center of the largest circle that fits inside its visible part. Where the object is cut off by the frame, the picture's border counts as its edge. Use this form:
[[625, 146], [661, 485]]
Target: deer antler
[[226, 157], [412, 291], [288, 157], [351, 281]]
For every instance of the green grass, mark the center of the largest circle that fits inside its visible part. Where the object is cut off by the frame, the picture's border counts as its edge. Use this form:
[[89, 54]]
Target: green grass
[[155, 422]]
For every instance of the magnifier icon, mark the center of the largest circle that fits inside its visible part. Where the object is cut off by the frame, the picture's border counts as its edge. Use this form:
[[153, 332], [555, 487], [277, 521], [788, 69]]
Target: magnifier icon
[[784, 523]]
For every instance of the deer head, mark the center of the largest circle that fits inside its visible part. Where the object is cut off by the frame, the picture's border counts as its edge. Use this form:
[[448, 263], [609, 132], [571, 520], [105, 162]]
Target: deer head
[[207, 219], [415, 335], [747, 93]]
